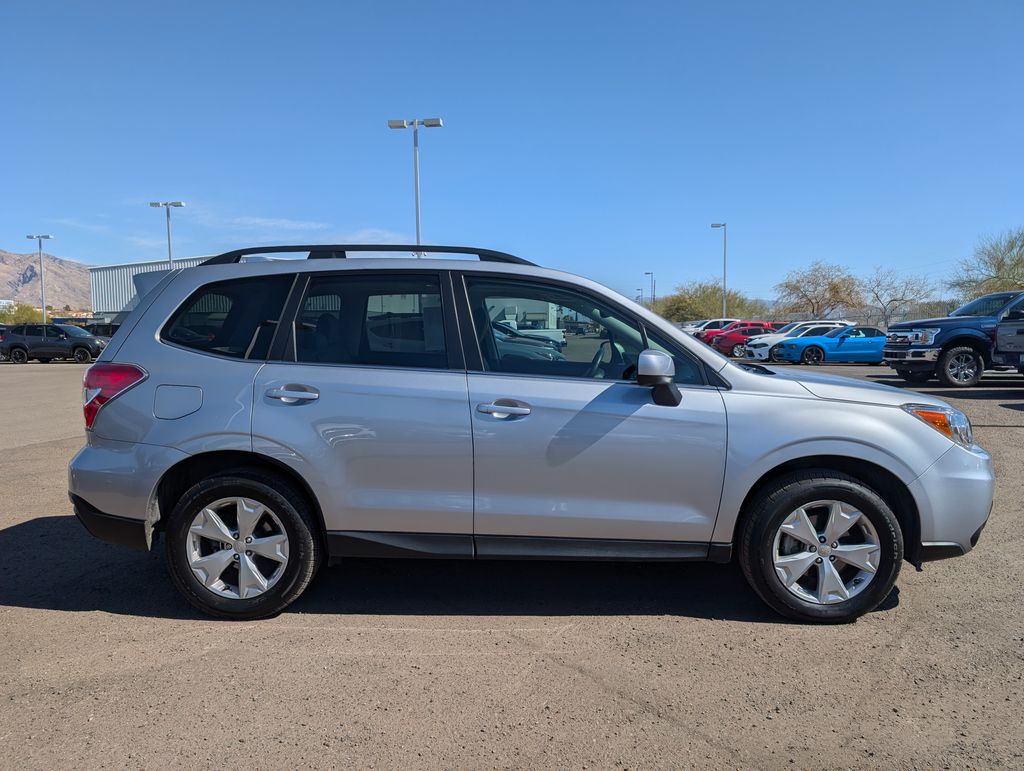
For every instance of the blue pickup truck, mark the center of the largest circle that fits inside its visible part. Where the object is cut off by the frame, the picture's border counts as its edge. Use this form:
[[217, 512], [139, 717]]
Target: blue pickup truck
[[956, 349]]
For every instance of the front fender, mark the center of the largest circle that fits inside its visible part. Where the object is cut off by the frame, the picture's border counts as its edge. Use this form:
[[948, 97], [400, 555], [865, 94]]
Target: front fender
[[763, 437]]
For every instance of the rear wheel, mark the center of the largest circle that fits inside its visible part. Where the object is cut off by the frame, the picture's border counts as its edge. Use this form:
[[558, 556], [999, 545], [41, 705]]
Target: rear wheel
[[960, 367], [739, 351], [812, 355], [19, 356], [242, 546], [820, 546], [44, 361]]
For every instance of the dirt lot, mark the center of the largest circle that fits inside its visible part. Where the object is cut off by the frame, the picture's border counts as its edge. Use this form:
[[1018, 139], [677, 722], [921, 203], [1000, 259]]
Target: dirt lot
[[434, 664]]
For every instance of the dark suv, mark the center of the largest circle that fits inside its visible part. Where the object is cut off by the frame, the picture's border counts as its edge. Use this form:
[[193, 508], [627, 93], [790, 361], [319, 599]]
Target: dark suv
[[45, 342]]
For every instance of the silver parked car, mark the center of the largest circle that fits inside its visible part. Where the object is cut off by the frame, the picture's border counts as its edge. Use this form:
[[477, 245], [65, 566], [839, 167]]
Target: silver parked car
[[265, 416]]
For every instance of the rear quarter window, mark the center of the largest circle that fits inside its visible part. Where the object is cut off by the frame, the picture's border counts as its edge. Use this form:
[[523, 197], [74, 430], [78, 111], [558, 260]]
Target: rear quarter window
[[235, 318]]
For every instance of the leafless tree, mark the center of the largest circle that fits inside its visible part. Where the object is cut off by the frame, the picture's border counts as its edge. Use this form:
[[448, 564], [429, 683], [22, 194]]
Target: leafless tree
[[890, 292], [818, 290]]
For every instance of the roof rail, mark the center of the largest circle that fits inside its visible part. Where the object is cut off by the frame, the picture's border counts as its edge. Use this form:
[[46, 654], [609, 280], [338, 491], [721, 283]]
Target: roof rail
[[341, 251]]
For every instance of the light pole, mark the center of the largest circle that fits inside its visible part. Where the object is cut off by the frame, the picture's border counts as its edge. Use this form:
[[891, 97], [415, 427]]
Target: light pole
[[167, 207], [725, 257], [42, 284], [654, 296], [415, 124], [641, 291]]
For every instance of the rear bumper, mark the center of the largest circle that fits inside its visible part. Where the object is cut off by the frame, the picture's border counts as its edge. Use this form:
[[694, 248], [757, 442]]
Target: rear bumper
[[124, 532]]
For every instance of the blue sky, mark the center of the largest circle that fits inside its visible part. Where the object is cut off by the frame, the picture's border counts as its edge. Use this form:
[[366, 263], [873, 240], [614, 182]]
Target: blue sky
[[600, 138]]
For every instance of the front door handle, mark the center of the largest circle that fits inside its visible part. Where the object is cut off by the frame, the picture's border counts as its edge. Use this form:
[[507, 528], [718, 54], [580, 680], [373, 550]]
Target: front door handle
[[504, 408], [292, 394]]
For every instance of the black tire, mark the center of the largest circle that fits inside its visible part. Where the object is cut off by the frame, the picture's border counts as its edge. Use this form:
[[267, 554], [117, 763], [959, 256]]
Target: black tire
[[914, 376], [82, 355], [19, 356], [812, 355], [954, 371], [44, 361], [305, 551], [773, 354], [775, 503]]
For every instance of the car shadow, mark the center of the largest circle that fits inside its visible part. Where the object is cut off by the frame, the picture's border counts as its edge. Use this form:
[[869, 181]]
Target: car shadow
[[52, 563]]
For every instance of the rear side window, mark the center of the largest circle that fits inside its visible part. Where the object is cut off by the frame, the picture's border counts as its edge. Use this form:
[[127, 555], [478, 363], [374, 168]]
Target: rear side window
[[234, 318], [388, 320]]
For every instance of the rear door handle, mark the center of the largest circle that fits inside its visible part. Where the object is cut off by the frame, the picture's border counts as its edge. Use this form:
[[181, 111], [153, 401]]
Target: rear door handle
[[292, 394], [504, 408]]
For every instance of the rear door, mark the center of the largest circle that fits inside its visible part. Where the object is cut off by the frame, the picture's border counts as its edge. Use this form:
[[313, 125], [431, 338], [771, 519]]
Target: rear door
[[567, 446], [367, 399]]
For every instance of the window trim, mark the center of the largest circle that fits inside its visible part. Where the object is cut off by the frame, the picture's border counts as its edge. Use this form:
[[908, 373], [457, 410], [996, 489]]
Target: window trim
[[284, 350], [474, 354]]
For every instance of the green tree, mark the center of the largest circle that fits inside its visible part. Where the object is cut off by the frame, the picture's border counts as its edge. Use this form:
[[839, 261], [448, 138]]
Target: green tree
[[818, 290], [996, 265], [20, 313], [703, 300]]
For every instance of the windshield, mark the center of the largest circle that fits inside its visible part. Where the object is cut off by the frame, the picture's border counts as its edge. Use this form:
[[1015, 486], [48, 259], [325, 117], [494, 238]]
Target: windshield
[[985, 306], [838, 331], [74, 331], [788, 328]]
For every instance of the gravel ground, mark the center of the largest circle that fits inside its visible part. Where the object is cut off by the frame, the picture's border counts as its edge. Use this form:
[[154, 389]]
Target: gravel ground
[[428, 664]]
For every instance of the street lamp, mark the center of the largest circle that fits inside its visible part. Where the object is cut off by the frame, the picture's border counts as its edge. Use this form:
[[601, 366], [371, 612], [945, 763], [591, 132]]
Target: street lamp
[[725, 254], [42, 284], [654, 296], [415, 124], [167, 207], [641, 291]]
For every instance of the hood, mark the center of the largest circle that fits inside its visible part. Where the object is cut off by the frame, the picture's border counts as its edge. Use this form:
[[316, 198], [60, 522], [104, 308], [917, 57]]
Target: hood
[[848, 389], [943, 322], [770, 339]]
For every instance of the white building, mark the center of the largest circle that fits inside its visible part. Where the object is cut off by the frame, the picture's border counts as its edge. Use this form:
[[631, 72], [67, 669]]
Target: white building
[[116, 288]]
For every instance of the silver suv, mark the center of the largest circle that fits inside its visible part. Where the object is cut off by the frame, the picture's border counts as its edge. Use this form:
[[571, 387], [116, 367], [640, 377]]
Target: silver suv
[[267, 415]]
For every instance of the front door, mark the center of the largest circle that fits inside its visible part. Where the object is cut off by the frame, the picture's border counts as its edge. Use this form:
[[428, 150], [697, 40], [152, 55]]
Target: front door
[[566, 445], [371, 406]]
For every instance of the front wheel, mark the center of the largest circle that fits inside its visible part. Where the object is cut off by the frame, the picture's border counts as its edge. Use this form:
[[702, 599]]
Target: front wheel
[[812, 355], [960, 367], [242, 546], [820, 546], [82, 355]]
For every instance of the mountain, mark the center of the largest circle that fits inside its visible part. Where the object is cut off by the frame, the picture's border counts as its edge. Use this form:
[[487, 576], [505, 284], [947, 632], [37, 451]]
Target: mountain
[[67, 281]]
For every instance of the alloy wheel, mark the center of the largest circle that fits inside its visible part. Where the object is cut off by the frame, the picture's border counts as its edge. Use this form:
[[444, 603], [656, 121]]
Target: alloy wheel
[[962, 368], [826, 552], [18, 356], [237, 548], [739, 350], [813, 355]]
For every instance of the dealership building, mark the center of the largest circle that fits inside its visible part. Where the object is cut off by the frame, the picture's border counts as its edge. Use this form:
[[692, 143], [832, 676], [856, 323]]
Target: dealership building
[[117, 288]]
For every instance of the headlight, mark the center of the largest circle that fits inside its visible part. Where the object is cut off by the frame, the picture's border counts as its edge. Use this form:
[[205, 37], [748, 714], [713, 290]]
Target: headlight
[[925, 336], [947, 421]]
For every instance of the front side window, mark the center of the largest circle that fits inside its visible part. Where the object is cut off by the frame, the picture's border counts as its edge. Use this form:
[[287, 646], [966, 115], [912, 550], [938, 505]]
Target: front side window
[[388, 320], [521, 327], [235, 318]]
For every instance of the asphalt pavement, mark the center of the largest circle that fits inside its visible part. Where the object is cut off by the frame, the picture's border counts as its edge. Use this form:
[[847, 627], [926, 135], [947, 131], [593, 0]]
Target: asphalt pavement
[[432, 664]]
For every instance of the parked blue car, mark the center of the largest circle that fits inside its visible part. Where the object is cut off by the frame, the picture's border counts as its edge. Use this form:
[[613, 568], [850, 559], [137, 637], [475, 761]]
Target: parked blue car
[[858, 344]]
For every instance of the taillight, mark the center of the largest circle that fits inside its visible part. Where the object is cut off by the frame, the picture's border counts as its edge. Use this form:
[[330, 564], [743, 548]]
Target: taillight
[[103, 382]]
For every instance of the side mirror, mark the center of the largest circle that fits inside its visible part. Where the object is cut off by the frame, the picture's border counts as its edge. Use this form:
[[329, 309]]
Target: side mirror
[[656, 369]]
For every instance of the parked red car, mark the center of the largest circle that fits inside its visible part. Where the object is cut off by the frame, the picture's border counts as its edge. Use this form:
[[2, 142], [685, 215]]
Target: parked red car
[[732, 339]]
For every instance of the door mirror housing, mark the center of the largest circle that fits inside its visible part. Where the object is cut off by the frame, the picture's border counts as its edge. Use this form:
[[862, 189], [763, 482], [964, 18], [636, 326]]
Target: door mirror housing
[[656, 369]]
